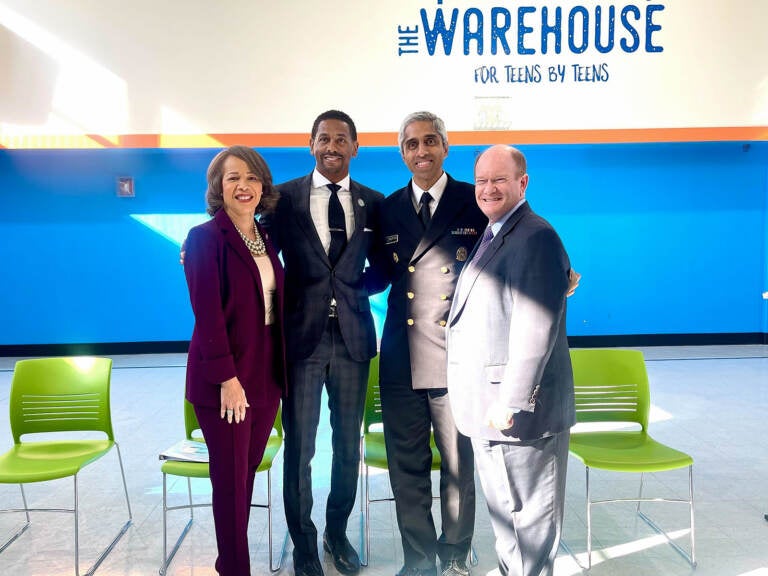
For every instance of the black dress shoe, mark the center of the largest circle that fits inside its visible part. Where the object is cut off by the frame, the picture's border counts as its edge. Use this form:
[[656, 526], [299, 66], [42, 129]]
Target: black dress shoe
[[409, 571], [307, 566], [344, 556]]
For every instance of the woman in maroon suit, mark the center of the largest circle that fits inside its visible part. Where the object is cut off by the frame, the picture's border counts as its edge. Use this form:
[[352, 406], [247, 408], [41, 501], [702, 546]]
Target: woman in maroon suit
[[236, 363]]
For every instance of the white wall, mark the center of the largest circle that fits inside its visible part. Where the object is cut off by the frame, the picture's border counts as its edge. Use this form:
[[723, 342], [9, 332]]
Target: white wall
[[262, 66]]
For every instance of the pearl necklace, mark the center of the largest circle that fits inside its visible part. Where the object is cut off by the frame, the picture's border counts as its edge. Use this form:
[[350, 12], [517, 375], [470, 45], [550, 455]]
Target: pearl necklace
[[255, 247]]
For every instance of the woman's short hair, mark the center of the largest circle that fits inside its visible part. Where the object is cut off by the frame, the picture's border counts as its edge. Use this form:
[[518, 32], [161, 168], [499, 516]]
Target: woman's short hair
[[214, 196]]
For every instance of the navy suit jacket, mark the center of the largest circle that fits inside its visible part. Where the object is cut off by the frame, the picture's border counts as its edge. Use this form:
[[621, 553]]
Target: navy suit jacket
[[422, 267], [310, 279], [228, 302]]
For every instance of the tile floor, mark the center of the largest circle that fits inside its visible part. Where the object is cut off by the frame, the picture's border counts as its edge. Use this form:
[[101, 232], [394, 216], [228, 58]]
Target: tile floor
[[709, 401]]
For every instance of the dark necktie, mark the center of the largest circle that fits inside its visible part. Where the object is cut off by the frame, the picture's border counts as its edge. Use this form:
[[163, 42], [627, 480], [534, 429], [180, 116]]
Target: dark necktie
[[424, 214], [484, 243], [336, 224]]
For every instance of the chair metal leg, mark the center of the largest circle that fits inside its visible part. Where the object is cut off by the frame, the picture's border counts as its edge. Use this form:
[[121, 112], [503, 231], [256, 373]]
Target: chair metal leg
[[693, 525], [690, 558], [122, 531], [360, 475], [23, 529], [125, 485], [75, 511], [656, 528], [367, 513], [363, 498], [24, 500], [77, 531], [365, 525], [567, 550], [189, 498], [589, 524], [365, 516], [164, 563], [640, 492], [167, 558], [272, 567]]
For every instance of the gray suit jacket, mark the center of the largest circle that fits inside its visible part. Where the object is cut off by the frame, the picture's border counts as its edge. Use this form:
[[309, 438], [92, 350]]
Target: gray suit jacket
[[506, 338], [310, 279]]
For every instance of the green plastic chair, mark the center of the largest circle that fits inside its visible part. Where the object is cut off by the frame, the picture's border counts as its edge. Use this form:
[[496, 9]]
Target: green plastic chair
[[59, 395], [373, 454], [611, 387], [191, 470]]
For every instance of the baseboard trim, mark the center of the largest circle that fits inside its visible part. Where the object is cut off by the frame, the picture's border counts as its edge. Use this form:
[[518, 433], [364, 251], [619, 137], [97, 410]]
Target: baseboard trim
[[181, 346], [95, 349], [717, 339]]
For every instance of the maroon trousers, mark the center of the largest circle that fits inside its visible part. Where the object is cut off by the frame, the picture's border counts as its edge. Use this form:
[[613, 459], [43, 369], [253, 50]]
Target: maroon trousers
[[235, 452]]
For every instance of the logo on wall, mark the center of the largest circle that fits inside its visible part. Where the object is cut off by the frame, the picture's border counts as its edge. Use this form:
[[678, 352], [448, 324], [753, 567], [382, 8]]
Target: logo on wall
[[532, 44]]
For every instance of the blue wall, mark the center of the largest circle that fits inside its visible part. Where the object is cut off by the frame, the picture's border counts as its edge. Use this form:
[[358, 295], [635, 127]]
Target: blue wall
[[670, 238]]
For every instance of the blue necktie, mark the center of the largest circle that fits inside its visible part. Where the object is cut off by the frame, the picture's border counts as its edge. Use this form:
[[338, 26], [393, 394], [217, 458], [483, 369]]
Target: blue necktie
[[336, 224]]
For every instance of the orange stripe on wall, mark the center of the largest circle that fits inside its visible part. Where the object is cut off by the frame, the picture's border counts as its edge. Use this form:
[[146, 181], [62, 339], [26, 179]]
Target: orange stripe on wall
[[615, 136], [139, 141], [487, 137], [466, 138]]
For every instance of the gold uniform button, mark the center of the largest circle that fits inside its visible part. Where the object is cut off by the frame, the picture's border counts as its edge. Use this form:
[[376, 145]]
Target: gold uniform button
[[410, 321], [444, 269], [442, 322], [443, 297], [411, 295], [411, 268]]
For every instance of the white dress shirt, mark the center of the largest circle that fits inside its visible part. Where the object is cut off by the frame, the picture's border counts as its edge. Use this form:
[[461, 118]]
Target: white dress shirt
[[436, 192], [318, 206]]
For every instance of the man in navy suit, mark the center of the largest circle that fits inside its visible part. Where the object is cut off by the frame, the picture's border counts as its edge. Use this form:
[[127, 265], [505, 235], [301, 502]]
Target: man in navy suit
[[323, 225], [428, 228]]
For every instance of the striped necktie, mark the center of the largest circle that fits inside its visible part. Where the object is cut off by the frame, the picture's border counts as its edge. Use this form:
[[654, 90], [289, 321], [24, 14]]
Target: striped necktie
[[484, 242]]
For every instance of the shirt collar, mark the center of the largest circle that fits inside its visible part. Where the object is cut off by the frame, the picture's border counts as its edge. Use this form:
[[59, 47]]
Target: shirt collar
[[436, 191], [496, 226], [320, 181]]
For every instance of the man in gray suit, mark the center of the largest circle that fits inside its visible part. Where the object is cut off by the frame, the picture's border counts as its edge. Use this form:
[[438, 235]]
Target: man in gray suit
[[509, 371]]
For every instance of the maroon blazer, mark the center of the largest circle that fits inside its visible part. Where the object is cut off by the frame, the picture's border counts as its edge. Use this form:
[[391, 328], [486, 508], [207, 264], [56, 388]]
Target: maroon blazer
[[230, 338]]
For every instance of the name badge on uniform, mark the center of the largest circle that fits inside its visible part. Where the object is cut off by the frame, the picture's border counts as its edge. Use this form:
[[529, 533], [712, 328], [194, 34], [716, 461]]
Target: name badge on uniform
[[461, 254], [393, 239]]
